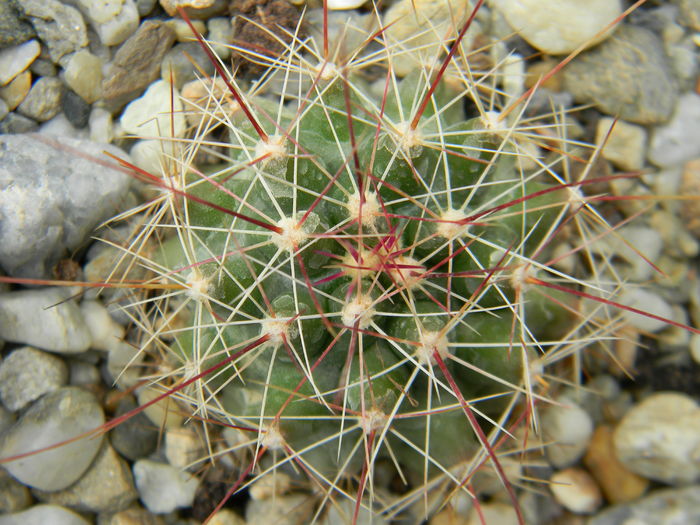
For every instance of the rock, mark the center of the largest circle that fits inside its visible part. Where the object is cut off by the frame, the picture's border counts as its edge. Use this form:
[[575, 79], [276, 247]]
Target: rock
[[220, 36], [14, 60], [83, 374], [100, 125], [135, 438], [662, 507], [55, 418], [164, 413], [625, 145], [137, 63], [27, 374], [145, 6], [13, 27], [649, 303], [123, 361], [660, 438], [43, 515], [43, 101], [61, 128], [15, 92], [76, 110], [163, 488], [13, 495], [42, 67], [16, 123], [619, 484], [57, 180], [183, 448], [177, 64], [558, 27], [59, 26], [576, 491], [83, 74], [105, 332], [679, 140], [132, 516], [628, 76], [153, 116], [294, 509], [183, 32], [227, 517], [44, 318], [195, 9], [568, 427], [271, 486], [107, 486], [114, 22]]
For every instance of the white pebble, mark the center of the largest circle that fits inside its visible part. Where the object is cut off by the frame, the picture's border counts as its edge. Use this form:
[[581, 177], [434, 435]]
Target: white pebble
[[14, 60], [576, 490], [163, 488], [647, 302], [151, 115], [569, 428]]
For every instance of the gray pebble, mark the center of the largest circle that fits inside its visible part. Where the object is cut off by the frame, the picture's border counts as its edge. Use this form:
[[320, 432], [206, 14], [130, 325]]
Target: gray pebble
[[628, 76], [16, 123], [77, 111], [43, 515], [569, 428], [679, 140], [114, 22], [663, 507], [136, 437], [43, 68], [44, 318], [61, 27], [27, 374], [145, 6], [43, 101], [55, 418], [68, 192], [13, 27], [107, 486], [137, 63], [163, 488]]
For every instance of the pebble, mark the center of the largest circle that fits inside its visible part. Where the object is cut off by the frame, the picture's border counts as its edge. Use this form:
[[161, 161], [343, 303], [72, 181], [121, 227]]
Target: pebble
[[677, 506], [59, 26], [294, 509], [152, 115], [83, 74], [42, 67], [136, 63], [183, 448], [648, 302], [100, 125], [107, 486], [678, 141], [45, 318], [558, 27], [14, 60], [57, 180], [164, 413], [619, 484], [576, 490], [177, 64], [43, 101], [54, 418], [13, 28], [16, 123], [164, 488], [14, 93], [61, 128], [135, 438], [195, 9], [123, 361], [689, 13], [43, 515], [627, 76], [226, 517], [75, 109], [114, 22], [183, 32], [3, 109], [272, 485], [13, 495], [625, 145], [145, 6], [220, 36], [105, 332], [660, 438], [83, 374], [492, 512], [569, 428], [344, 512], [27, 374], [132, 516]]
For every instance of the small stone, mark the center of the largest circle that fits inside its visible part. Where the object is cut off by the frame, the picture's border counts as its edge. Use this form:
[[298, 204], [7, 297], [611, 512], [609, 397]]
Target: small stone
[[178, 64], [226, 517], [100, 125], [135, 438], [13, 495], [56, 417], [83, 74], [163, 488], [619, 484], [61, 128], [164, 413], [14, 123], [105, 332], [294, 509], [27, 374], [558, 27], [625, 145], [42, 67], [76, 110], [123, 362], [690, 208], [576, 491], [57, 179], [195, 9], [59, 26], [137, 63], [114, 22], [660, 438], [569, 428], [628, 76], [46, 318], [145, 6], [649, 303], [107, 486], [14, 60], [43, 515], [132, 516], [15, 92], [43, 101], [662, 507], [270, 486], [183, 32], [679, 140], [220, 36], [83, 374], [3, 109], [183, 448], [13, 27]]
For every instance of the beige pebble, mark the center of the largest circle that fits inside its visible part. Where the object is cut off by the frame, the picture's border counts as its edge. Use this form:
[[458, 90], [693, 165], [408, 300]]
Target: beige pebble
[[576, 490], [13, 93]]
